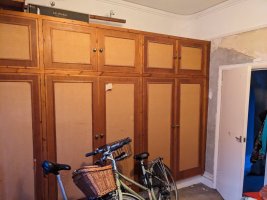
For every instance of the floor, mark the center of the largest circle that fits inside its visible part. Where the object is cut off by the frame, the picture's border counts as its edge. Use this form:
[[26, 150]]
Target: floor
[[198, 192]]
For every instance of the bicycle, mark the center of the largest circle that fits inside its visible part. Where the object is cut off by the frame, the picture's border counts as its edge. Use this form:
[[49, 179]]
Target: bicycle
[[158, 181]]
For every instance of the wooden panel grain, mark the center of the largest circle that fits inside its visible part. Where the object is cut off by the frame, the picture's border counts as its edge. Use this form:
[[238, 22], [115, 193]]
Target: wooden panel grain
[[18, 39], [119, 51], [15, 42], [71, 47], [189, 136], [73, 115], [160, 55], [16, 141], [159, 121], [191, 58], [120, 117]]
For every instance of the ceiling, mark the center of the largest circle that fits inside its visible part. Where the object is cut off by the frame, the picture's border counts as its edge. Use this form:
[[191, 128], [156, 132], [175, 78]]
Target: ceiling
[[180, 7]]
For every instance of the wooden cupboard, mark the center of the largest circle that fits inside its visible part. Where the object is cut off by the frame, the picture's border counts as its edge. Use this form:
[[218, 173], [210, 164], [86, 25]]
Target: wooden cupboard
[[190, 127], [173, 120], [159, 54], [83, 47], [18, 39], [88, 84], [20, 137]]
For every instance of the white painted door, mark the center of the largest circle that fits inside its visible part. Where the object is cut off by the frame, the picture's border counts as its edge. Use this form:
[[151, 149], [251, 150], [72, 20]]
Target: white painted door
[[232, 131]]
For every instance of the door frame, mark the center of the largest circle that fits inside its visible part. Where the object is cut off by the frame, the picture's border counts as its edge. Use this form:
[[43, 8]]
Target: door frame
[[253, 67]]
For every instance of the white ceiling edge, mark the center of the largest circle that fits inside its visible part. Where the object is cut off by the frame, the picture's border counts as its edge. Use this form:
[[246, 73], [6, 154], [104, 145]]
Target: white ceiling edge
[[208, 11], [216, 8]]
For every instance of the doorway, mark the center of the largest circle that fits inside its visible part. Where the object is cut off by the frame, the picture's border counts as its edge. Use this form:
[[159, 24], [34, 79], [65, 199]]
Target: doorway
[[254, 169]]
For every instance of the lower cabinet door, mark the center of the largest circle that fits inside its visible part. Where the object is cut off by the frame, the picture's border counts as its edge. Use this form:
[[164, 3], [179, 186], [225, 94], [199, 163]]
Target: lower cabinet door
[[20, 137], [119, 100], [159, 118], [191, 111], [71, 108]]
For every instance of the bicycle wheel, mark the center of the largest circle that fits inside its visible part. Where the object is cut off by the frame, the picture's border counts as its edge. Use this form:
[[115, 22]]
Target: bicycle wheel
[[126, 196], [163, 182]]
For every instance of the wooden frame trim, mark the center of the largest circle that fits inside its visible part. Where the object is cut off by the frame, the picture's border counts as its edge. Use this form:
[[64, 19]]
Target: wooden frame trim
[[48, 26], [202, 126], [32, 26], [51, 123], [162, 40], [192, 44], [34, 81], [145, 115]]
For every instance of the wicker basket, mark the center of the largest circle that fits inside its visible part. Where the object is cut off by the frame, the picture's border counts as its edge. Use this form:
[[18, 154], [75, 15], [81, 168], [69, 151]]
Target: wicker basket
[[94, 181], [124, 149]]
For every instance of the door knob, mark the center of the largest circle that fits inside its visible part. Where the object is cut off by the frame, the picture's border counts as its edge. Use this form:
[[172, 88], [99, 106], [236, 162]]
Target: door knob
[[239, 139], [175, 126], [101, 50], [96, 136], [94, 49], [101, 135]]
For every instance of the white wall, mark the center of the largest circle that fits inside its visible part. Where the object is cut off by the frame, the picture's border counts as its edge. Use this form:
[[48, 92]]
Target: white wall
[[137, 17], [229, 18]]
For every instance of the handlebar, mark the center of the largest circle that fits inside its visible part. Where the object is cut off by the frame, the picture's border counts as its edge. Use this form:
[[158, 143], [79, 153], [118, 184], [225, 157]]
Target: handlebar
[[110, 147]]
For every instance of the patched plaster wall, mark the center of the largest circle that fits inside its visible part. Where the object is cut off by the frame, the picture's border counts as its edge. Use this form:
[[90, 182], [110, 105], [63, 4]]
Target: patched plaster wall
[[236, 49]]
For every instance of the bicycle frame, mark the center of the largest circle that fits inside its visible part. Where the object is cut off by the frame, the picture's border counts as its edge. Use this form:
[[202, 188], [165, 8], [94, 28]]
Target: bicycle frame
[[120, 184]]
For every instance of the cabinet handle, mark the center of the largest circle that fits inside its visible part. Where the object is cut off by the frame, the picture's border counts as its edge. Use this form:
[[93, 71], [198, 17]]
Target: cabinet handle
[[101, 50], [101, 135], [96, 136], [175, 126], [94, 49]]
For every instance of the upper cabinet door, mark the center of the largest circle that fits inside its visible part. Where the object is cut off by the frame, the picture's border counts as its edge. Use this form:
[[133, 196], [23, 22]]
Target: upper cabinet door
[[192, 57], [159, 55], [18, 39], [118, 51], [69, 46]]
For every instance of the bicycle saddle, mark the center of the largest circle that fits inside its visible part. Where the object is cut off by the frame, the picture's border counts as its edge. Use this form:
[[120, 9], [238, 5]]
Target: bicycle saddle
[[141, 156], [54, 168]]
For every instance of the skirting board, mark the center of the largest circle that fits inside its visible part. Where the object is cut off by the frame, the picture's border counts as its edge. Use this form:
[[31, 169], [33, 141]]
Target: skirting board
[[206, 179]]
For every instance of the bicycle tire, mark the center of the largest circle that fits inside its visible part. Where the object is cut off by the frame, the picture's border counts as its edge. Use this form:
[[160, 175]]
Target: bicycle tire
[[126, 196], [163, 182]]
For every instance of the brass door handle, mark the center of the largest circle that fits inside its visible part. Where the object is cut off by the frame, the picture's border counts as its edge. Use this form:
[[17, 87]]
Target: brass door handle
[[94, 49], [96, 136], [101, 135], [239, 139], [101, 50]]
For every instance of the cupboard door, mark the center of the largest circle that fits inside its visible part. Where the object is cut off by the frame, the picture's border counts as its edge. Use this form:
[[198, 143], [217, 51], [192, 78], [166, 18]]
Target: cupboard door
[[120, 108], [20, 138], [118, 51], [71, 108], [159, 55], [69, 46], [18, 39], [190, 114], [159, 96], [192, 57]]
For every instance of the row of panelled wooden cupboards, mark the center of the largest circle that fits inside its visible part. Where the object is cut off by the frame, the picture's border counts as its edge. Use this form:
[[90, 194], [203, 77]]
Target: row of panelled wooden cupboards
[[36, 42], [86, 90]]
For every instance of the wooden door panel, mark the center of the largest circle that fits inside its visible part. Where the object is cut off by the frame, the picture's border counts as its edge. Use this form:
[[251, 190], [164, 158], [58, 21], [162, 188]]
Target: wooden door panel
[[69, 46], [18, 39], [191, 134], [119, 100], [20, 144], [71, 125], [159, 119], [192, 58], [118, 51], [159, 55]]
